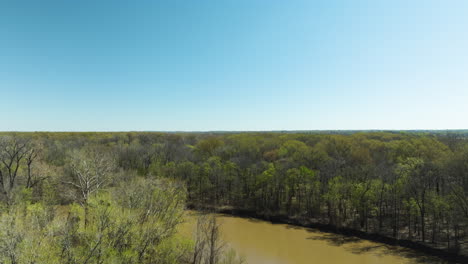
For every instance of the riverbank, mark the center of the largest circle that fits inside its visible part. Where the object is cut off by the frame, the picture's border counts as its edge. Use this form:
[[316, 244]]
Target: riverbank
[[284, 219]]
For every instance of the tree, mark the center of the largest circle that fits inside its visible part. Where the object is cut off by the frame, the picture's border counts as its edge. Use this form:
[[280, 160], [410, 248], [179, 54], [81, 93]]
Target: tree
[[209, 248], [12, 152], [89, 171]]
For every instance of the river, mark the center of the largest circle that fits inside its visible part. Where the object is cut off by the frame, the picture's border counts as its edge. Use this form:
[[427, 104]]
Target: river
[[262, 242]]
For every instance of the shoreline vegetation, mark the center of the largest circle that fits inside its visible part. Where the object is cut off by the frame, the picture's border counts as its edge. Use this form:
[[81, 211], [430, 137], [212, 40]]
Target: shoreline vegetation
[[406, 188], [327, 228]]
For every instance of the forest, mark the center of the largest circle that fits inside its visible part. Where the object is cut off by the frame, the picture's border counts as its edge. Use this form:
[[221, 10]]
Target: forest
[[119, 197]]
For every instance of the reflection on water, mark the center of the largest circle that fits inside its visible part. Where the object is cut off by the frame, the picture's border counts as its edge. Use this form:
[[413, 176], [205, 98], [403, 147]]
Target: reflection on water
[[262, 242]]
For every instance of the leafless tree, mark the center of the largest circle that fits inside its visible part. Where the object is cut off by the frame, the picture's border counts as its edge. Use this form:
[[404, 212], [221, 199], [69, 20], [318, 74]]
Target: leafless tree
[[36, 171], [208, 244], [89, 170], [209, 247], [12, 152], [200, 242], [31, 156]]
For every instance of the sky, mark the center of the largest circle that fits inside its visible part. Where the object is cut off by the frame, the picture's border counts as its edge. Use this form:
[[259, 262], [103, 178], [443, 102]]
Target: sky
[[113, 65]]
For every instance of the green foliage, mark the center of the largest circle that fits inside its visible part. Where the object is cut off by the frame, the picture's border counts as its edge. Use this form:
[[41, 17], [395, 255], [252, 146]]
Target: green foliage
[[405, 185], [125, 225]]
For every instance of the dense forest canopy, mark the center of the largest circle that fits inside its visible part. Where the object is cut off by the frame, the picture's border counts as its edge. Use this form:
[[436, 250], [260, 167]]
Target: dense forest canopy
[[102, 197]]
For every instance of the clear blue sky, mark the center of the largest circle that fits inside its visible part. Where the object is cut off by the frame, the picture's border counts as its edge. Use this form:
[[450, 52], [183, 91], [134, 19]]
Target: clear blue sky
[[233, 65]]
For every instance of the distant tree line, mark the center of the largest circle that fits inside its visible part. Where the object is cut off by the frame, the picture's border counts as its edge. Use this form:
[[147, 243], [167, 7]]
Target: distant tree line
[[404, 185]]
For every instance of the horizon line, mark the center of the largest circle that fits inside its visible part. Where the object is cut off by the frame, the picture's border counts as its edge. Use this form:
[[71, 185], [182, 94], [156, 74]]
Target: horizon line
[[228, 131]]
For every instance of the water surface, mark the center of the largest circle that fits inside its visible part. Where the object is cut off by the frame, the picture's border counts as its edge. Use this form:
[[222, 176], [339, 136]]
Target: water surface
[[262, 242]]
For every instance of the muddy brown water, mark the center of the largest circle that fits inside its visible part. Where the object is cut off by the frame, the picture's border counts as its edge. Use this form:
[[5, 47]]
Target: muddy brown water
[[261, 242]]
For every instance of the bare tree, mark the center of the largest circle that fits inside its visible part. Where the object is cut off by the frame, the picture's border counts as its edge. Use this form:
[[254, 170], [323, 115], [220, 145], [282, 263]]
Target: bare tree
[[209, 247], [208, 243], [89, 170], [215, 245], [31, 156], [200, 242], [34, 173], [12, 152]]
